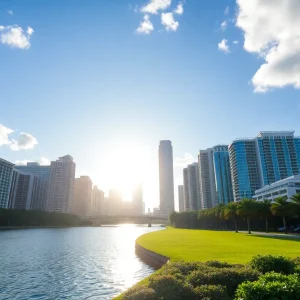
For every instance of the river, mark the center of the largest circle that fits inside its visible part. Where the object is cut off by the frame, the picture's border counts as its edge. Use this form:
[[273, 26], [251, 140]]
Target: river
[[70, 263]]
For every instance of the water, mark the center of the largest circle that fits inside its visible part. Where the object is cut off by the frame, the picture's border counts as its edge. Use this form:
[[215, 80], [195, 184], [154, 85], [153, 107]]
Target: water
[[70, 263]]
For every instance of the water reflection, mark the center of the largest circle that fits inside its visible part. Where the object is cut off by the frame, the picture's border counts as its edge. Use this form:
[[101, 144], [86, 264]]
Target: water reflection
[[70, 263]]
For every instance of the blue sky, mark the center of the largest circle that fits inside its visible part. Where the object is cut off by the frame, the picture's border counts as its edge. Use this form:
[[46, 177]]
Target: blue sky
[[77, 77]]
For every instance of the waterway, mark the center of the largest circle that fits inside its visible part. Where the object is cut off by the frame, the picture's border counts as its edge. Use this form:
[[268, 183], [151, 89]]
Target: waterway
[[70, 263]]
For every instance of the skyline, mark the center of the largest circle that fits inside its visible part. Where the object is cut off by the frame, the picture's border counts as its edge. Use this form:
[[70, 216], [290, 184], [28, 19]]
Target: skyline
[[107, 99]]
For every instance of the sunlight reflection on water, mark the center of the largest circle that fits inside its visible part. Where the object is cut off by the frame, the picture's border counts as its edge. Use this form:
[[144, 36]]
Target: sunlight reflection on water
[[70, 263]]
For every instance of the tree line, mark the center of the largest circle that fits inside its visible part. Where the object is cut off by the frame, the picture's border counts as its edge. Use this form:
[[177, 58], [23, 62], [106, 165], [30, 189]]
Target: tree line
[[235, 215]]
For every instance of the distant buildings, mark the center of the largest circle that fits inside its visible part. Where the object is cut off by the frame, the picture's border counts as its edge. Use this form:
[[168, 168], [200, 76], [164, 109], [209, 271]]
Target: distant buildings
[[23, 190], [42, 173], [98, 202], [186, 189], [61, 185], [181, 198], [6, 172], [115, 202], [166, 179], [193, 187], [138, 206], [82, 196]]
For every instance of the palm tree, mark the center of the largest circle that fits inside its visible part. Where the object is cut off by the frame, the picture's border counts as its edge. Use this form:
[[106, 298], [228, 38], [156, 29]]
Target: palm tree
[[264, 210], [230, 213], [281, 207], [296, 201], [247, 208]]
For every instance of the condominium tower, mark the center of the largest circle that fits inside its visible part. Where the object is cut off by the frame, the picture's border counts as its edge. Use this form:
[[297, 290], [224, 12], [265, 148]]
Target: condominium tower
[[181, 198], [186, 189], [43, 177], [260, 161], [6, 172], [166, 180], [98, 207], [138, 206], [193, 187], [82, 196], [61, 185]]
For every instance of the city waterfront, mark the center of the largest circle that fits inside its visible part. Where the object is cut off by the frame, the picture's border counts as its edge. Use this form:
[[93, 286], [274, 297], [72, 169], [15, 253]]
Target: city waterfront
[[70, 263]]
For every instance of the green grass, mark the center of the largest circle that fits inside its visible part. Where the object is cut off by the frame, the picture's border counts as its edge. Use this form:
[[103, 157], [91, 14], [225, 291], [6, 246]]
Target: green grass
[[203, 245]]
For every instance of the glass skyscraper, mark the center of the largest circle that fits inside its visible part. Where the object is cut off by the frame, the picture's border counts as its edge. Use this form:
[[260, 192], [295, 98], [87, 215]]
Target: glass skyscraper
[[260, 161], [222, 174], [6, 172]]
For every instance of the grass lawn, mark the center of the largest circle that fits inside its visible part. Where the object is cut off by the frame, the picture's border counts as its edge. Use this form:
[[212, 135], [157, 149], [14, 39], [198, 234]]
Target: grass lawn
[[203, 245]]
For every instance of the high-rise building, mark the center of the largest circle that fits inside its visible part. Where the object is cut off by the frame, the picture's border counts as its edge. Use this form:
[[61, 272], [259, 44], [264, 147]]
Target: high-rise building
[[186, 189], [115, 202], [260, 161], [82, 196], [138, 206], [6, 172], [23, 190], [166, 179], [181, 198], [193, 187], [61, 185], [222, 174], [207, 185], [43, 177], [98, 206]]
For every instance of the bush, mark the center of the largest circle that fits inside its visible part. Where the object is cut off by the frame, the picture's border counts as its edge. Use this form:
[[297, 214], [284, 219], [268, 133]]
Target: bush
[[140, 293], [229, 277], [270, 286], [219, 264], [297, 264], [168, 287], [211, 292], [269, 263]]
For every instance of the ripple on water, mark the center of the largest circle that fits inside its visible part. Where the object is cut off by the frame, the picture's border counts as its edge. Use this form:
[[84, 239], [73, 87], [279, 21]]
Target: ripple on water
[[70, 263]]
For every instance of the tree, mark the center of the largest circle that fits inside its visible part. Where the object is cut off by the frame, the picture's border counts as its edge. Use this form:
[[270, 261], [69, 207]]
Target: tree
[[247, 208], [264, 210], [230, 213], [296, 202], [281, 207]]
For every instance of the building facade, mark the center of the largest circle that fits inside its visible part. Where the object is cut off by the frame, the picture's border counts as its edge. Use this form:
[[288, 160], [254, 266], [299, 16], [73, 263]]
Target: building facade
[[82, 201], [222, 174], [286, 187], [23, 190], [181, 198], [186, 189], [138, 206], [98, 203], [193, 187], [43, 177], [166, 178], [61, 185], [207, 186], [6, 173]]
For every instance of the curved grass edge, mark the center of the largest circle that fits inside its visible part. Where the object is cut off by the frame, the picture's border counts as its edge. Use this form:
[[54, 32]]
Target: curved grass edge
[[149, 257]]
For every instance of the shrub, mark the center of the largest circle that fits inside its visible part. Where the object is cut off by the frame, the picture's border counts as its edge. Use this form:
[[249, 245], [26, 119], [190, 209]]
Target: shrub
[[211, 292], [220, 264], [270, 286], [297, 264], [229, 277], [140, 293], [168, 287], [183, 268], [269, 263]]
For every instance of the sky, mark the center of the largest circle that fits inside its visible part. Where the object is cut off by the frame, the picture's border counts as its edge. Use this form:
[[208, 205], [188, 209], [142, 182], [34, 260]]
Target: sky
[[105, 81]]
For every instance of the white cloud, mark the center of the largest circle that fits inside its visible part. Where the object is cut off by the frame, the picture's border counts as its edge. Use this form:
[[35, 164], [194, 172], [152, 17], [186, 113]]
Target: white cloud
[[179, 9], [182, 162], [167, 19], [43, 161], [10, 12], [24, 142], [227, 10], [271, 30], [155, 5], [4, 135], [223, 46], [146, 27], [235, 42], [224, 25], [15, 37]]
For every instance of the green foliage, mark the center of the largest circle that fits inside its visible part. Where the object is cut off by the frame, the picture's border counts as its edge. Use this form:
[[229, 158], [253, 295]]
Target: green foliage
[[168, 287], [247, 208], [218, 264], [228, 277], [297, 264], [140, 293], [211, 292], [273, 286], [269, 263], [12, 217], [281, 207]]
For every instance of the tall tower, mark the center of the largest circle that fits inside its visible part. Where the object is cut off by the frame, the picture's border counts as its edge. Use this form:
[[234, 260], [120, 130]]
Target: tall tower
[[61, 185], [166, 179], [181, 198], [82, 196], [6, 173], [186, 189], [138, 206], [193, 187]]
